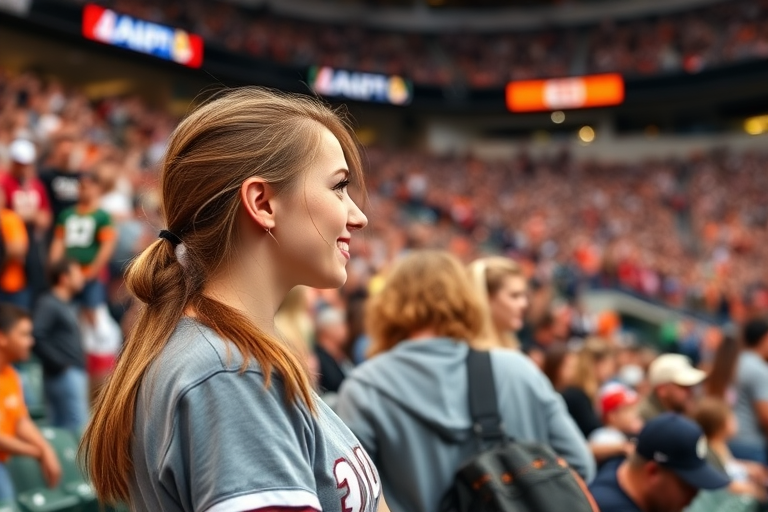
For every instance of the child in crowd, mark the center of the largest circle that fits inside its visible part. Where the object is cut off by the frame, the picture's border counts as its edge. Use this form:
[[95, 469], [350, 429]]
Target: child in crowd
[[18, 434], [719, 424], [621, 420]]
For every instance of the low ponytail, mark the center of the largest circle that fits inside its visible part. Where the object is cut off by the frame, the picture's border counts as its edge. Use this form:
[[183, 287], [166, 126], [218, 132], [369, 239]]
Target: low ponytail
[[246, 132], [154, 278]]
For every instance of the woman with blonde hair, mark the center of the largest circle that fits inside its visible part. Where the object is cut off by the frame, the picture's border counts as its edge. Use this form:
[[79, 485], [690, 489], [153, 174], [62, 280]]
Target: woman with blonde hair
[[208, 409], [294, 323], [408, 403], [596, 364], [503, 293]]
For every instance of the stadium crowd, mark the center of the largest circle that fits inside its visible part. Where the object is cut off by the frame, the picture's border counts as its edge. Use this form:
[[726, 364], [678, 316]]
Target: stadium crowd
[[687, 233], [698, 39]]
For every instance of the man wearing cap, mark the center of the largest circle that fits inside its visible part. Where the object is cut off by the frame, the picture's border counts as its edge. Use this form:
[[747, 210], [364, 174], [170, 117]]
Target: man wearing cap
[[26, 195], [665, 473], [24, 192], [672, 379]]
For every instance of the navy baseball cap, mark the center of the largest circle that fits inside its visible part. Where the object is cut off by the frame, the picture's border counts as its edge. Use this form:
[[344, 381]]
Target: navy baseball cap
[[678, 444]]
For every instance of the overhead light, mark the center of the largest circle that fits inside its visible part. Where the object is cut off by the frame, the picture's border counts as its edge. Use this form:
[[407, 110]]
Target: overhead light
[[756, 125], [587, 134], [558, 116]]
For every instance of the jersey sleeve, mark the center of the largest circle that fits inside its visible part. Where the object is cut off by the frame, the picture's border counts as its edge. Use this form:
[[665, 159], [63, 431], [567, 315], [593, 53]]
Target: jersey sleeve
[[237, 446], [106, 230], [59, 221]]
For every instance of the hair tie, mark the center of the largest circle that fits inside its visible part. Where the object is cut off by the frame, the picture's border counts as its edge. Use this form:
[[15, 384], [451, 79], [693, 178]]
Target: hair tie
[[167, 235]]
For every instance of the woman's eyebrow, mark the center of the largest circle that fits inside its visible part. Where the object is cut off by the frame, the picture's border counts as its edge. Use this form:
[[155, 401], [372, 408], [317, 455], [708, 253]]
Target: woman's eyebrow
[[345, 172]]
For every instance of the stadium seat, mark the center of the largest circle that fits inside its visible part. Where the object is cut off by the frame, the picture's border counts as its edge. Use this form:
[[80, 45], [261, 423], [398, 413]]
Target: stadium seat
[[73, 494], [31, 373], [8, 506], [48, 500], [72, 479]]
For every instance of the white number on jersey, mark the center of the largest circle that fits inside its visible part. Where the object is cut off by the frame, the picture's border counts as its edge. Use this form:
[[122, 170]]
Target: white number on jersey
[[79, 231], [358, 476]]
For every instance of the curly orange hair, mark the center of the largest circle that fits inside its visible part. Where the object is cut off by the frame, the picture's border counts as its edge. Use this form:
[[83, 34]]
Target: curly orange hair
[[425, 290]]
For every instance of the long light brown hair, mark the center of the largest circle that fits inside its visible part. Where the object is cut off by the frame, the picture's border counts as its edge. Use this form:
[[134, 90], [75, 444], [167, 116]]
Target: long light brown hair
[[239, 134], [721, 375], [488, 276], [425, 289], [594, 351]]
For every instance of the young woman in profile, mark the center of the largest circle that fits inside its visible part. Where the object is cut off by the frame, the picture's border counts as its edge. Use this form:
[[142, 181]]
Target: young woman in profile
[[207, 410], [503, 291], [408, 403]]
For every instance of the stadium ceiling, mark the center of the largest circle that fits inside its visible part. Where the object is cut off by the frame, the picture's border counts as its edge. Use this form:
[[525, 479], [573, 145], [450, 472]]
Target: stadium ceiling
[[473, 15]]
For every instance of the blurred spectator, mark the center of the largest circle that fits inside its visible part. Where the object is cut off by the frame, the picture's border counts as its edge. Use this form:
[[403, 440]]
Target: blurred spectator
[[665, 473], [115, 199], [544, 338], [294, 323], [672, 379], [59, 175], [59, 346], [14, 244], [85, 234], [359, 341], [720, 381], [18, 434], [560, 364], [407, 404], [331, 338], [596, 365], [621, 422], [503, 289], [26, 195], [752, 394], [719, 424]]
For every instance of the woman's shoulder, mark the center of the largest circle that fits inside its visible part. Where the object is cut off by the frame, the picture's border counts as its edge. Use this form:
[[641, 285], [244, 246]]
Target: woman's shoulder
[[195, 352], [510, 358]]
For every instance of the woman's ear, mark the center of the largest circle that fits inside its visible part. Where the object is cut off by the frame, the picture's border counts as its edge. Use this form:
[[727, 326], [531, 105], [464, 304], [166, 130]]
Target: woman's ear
[[257, 197]]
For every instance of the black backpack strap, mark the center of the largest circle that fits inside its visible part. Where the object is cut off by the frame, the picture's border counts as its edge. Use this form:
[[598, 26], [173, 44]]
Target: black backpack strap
[[483, 405]]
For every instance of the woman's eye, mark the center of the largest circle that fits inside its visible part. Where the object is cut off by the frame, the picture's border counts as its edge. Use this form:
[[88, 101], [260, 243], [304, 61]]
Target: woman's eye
[[341, 185]]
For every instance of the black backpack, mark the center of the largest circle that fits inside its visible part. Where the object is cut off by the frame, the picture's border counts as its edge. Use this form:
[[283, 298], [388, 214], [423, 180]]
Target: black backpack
[[510, 476]]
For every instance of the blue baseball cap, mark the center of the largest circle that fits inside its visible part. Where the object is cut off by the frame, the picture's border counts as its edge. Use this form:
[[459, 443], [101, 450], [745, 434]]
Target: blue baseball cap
[[678, 444]]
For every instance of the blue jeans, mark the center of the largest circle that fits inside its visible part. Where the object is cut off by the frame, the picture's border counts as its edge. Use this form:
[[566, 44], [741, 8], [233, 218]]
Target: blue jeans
[[749, 451], [67, 395], [7, 492], [21, 298]]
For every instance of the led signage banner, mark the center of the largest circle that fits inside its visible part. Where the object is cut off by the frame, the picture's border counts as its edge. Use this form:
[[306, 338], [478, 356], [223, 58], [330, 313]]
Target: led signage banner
[[174, 44], [360, 86], [565, 93]]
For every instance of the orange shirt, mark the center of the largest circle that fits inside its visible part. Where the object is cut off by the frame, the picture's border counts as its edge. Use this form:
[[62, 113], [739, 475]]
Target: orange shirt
[[12, 407], [12, 276]]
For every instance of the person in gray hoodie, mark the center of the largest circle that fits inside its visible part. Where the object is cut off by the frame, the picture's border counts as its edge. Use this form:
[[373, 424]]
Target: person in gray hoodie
[[408, 404]]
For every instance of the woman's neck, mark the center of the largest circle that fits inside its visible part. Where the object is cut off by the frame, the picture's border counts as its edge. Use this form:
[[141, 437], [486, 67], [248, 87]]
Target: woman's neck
[[423, 334], [254, 294]]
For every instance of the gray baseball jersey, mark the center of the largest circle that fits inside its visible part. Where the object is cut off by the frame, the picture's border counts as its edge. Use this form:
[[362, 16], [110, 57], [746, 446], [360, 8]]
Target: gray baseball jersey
[[210, 438]]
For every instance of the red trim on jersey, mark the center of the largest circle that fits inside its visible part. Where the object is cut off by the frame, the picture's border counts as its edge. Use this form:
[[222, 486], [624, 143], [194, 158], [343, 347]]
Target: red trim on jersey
[[284, 509]]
